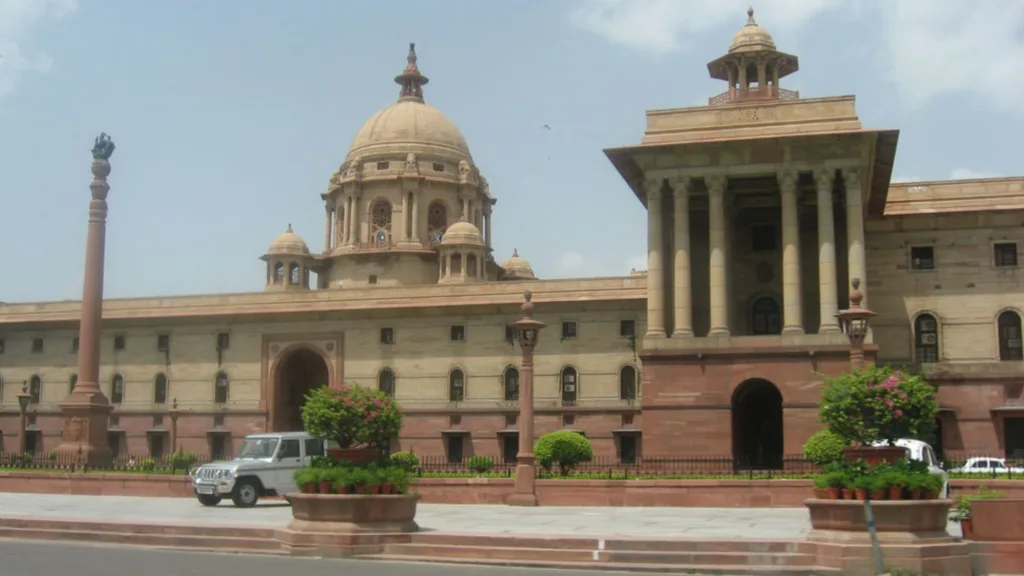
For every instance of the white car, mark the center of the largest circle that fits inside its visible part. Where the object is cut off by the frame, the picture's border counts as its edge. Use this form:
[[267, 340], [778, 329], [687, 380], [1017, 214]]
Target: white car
[[264, 467], [990, 466], [922, 452]]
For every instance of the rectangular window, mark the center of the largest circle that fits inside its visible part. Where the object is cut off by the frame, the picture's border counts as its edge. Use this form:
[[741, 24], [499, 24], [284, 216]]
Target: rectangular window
[[32, 443], [569, 330], [1006, 254], [627, 328], [509, 448], [118, 342], [510, 334], [217, 447], [383, 165], [372, 279], [627, 449], [156, 446], [74, 345], [223, 341], [1, 345], [387, 335], [457, 333], [37, 345], [922, 258], [114, 443], [763, 238], [438, 167], [163, 343], [454, 448]]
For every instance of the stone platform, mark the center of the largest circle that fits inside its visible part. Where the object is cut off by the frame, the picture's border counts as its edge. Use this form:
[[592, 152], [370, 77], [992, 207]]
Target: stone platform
[[695, 540]]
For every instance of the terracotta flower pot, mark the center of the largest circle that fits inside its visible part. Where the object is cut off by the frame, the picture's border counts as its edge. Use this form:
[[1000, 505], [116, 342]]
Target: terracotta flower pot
[[308, 488], [930, 495], [387, 488], [879, 494], [875, 454], [362, 489], [895, 493], [821, 493], [967, 527], [848, 494], [325, 487], [915, 494], [861, 494], [375, 489], [834, 493]]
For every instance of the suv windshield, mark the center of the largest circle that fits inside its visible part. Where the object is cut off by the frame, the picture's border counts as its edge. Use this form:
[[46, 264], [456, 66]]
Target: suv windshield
[[257, 448]]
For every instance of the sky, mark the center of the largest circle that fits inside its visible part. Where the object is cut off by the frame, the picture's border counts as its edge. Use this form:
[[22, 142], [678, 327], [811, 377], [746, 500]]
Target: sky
[[230, 116]]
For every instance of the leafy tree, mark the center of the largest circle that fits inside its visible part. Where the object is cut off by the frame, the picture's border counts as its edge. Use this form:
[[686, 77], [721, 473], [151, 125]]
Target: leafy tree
[[352, 416], [879, 404], [563, 448]]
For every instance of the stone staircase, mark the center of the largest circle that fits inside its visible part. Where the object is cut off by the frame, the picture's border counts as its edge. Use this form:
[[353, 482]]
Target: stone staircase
[[198, 537], [746, 557]]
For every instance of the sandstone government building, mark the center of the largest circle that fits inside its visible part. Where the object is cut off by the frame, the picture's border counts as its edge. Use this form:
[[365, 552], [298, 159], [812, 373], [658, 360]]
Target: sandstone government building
[[761, 207]]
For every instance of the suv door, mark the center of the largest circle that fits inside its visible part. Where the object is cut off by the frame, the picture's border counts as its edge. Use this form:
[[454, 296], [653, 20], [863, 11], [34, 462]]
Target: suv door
[[289, 459]]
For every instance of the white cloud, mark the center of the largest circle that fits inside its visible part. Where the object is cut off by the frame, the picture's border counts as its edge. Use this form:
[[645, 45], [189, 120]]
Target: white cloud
[[965, 174], [659, 25], [18, 20], [936, 47]]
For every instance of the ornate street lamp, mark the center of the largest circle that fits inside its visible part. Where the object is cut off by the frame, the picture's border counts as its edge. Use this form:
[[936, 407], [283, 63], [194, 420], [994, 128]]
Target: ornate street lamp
[[24, 399], [527, 331], [854, 322], [174, 413]]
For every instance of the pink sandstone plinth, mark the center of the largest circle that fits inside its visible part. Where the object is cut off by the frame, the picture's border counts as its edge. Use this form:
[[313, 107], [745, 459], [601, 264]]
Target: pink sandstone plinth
[[340, 525]]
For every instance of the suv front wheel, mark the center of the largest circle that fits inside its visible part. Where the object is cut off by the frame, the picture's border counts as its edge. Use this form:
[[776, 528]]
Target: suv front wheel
[[245, 494]]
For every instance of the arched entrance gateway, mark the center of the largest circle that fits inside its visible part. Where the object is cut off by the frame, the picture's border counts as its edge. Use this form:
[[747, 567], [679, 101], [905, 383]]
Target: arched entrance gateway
[[757, 425], [298, 372]]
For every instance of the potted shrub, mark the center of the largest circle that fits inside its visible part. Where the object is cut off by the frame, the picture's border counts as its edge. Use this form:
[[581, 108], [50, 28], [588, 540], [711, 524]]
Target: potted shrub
[[895, 482], [326, 478], [877, 404], [406, 461], [917, 483], [357, 421], [964, 513], [480, 465], [824, 447], [863, 485], [397, 479], [306, 479]]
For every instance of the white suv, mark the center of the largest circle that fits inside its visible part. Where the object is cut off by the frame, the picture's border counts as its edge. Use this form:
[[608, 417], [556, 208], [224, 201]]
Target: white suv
[[264, 467]]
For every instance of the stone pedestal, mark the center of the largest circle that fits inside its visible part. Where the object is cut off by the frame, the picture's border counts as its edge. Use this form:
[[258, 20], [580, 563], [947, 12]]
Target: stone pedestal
[[912, 535], [341, 525], [85, 433]]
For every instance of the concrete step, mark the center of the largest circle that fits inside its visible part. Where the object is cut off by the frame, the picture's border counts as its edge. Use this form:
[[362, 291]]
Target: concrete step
[[129, 528], [734, 570], [131, 538], [555, 555]]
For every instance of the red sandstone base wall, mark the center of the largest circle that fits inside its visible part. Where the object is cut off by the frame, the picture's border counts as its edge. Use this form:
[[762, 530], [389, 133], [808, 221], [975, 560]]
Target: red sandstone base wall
[[681, 493]]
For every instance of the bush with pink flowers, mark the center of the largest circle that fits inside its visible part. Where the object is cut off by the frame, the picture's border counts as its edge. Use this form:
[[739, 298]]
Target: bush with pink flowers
[[351, 416], [879, 404]]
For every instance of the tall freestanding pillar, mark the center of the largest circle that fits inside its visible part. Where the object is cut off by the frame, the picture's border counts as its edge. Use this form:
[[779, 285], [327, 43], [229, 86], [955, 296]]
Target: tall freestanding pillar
[[527, 333], [86, 410], [655, 261]]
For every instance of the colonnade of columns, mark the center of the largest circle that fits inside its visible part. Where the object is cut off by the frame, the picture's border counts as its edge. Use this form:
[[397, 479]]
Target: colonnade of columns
[[719, 248], [341, 222], [465, 256]]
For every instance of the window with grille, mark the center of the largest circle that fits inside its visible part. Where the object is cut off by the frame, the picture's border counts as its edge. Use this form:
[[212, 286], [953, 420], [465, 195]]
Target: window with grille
[[922, 258], [1009, 336], [926, 339], [1005, 254]]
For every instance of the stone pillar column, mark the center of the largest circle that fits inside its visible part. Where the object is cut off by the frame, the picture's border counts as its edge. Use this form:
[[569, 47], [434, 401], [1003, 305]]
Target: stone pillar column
[[655, 278], [465, 209], [856, 265], [527, 332], [717, 261], [86, 410], [327, 227], [448, 265], [792, 289], [354, 230], [487, 226], [463, 264], [415, 217], [683, 301], [743, 77], [406, 215], [824, 178], [340, 218]]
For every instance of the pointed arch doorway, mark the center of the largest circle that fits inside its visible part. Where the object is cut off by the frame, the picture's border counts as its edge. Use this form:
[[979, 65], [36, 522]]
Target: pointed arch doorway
[[299, 371], [757, 439]]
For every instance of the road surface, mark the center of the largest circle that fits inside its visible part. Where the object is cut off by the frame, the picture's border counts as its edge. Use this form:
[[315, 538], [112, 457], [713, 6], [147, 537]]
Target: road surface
[[28, 558]]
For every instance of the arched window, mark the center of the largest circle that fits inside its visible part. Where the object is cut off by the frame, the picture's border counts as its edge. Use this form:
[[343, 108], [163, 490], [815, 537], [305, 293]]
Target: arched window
[[381, 223], [220, 388], [386, 382], [1009, 336], [627, 383], [160, 389], [511, 381], [279, 273], [570, 386], [766, 317], [294, 274], [117, 389], [926, 339], [72, 383], [437, 221], [456, 386], [35, 388]]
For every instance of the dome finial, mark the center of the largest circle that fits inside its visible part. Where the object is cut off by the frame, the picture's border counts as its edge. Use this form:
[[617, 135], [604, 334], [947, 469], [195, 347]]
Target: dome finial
[[410, 79], [750, 17], [515, 252], [290, 227]]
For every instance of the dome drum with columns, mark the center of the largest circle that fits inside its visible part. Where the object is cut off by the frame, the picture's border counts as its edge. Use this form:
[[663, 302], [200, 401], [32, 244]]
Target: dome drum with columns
[[752, 67], [407, 181]]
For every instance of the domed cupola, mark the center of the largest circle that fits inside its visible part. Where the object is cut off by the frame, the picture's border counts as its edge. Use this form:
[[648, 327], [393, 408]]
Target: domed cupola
[[288, 262], [517, 268], [463, 254], [753, 67], [407, 176]]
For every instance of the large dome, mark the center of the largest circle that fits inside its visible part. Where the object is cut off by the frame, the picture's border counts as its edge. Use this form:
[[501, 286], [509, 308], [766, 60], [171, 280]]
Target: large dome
[[409, 126]]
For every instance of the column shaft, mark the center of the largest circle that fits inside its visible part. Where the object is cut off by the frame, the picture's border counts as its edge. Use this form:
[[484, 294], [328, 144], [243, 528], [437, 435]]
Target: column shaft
[[415, 217], [792, 288], [855, 259], [716, 246], [824, 179], [487, 227], [327, 228], [655, 277], [406, 214], [683, 303]]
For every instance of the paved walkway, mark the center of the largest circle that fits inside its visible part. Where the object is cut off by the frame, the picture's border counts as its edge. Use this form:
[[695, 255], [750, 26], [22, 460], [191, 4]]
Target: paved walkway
[[750, 523]]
